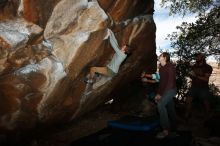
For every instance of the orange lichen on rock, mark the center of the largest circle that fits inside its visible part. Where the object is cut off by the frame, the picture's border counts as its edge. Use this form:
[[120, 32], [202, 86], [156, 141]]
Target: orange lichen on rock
[[4, 44], [31, 11]]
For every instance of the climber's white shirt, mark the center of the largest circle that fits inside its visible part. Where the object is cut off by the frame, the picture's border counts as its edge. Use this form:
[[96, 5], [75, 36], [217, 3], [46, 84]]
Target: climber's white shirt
[[118, 57]]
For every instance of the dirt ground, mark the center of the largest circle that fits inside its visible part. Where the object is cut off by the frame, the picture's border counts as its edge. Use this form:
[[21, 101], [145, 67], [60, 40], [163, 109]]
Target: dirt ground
[[89, 124], [215, 77]]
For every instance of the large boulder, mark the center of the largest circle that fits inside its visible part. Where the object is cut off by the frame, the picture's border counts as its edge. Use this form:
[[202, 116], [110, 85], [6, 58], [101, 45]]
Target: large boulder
[[47, 50]]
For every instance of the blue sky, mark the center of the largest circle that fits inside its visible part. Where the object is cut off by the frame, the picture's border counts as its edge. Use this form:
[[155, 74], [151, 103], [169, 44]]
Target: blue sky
[[166, 25]]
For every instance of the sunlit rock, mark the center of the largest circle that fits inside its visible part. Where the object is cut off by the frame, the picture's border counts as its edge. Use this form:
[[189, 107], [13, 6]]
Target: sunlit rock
[[65, 15], [42, 70], [14, 36], [17, 32]]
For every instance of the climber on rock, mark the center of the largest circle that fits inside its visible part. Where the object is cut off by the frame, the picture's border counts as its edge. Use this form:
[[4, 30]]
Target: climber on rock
[[112, 68]]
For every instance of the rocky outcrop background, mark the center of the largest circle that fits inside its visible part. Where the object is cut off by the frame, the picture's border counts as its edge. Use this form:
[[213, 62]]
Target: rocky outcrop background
[[47, 48]]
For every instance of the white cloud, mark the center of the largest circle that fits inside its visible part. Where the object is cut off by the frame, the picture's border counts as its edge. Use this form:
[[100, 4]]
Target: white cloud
[[167, 24]]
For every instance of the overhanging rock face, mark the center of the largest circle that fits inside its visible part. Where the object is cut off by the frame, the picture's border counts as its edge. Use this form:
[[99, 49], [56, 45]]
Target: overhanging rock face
[[47, 48]]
